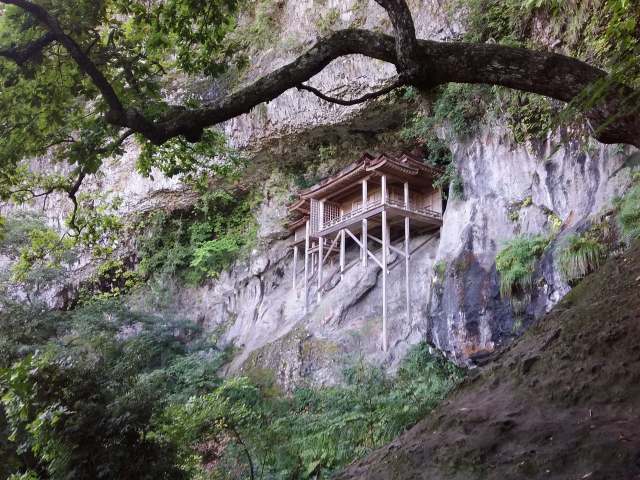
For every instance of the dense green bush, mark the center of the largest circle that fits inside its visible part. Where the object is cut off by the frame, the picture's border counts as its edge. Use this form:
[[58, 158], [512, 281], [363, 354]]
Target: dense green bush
[[79, 390], [39, 251]]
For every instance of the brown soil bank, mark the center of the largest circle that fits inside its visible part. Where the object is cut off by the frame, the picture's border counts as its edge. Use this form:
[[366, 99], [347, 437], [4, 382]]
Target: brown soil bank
[[563, 402]]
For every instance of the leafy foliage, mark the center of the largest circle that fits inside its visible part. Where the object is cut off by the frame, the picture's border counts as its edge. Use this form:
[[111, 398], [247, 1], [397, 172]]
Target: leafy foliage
[[52, 110], [529, 116], [602, 32], [456, 106], [40, 253], [516, 263], [440, 270], [456, 111], [261, 31], [450, 178], [79, 389], [106, 392], [43, 254], [210, 156], [201, 242], [313, 432], [194, 32], [204, 422]]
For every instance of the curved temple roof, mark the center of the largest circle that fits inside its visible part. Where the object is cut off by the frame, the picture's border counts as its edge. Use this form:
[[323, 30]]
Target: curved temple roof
[[405, 167]]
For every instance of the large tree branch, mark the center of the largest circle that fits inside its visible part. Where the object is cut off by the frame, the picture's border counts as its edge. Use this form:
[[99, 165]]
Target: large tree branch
[[23, 54], [549, 74], [431, 63]]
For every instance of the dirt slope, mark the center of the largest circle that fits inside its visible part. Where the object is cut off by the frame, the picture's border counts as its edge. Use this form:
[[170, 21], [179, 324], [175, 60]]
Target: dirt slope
[[563, 402]]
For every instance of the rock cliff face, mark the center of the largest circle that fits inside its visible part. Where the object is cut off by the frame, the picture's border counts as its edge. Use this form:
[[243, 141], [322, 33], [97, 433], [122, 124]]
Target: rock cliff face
[[458, 310], [511, 190]]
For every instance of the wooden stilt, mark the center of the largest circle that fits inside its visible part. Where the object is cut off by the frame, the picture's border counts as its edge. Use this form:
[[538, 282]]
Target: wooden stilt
[[363, 237], [406, 254], [363, 242], [383, 182], [320, 258], [407, 287], [306, 268], [342, 252], [312, 260], [388, 239], [295, 265], [385, 240], [385, 253], [320, 249]]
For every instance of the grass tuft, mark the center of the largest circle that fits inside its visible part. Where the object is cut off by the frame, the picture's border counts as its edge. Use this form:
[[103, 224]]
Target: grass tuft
[[580, 256]]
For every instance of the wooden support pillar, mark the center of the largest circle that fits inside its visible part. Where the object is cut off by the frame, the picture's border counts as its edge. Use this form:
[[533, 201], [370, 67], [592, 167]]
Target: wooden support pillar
[[306, 268], [295, 265], [320, 258], [363, 237], [406, 195], [385, 255], [406, 254], [312, 261], [320, 248], [384, 189], [342, 252], [385, 243], [407, 286], [388, 239], [364, 242]]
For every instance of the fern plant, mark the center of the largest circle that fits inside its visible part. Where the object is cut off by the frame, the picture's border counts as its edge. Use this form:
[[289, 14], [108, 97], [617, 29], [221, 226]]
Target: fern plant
[[516, 263], [581, 255], [629, 214]]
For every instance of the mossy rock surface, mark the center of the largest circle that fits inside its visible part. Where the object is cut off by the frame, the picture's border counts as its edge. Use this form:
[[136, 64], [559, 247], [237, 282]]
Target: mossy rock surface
[[292, 361]]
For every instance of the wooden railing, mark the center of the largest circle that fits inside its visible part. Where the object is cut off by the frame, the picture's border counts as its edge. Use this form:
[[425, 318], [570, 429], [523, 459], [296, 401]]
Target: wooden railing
[[414, 207], [393, 201]]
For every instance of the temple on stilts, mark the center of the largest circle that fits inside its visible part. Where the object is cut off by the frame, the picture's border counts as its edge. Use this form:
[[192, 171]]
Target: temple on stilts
[[372, 203]]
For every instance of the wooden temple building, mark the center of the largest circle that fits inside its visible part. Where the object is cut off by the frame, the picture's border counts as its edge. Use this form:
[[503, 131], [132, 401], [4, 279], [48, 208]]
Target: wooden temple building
[[372, 202]]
